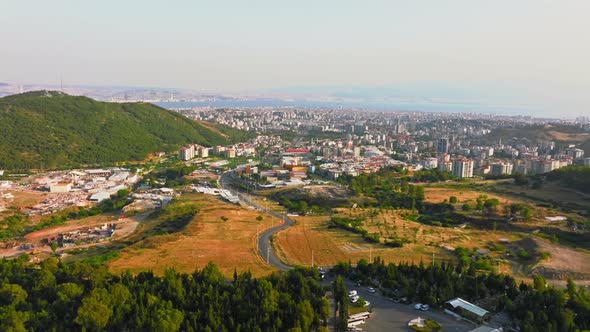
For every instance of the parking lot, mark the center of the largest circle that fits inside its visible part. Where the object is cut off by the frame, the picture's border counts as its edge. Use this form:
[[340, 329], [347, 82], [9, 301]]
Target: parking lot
[[390, 316]]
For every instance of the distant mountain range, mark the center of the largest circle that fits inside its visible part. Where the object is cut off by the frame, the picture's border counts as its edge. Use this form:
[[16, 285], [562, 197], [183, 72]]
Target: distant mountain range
[[49, 130]]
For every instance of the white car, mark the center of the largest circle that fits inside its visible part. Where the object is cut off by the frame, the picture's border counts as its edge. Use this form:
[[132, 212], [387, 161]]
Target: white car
[[354, 298], [425, 307], [418, 306], [352, 293], [367, 303], [371, 290]]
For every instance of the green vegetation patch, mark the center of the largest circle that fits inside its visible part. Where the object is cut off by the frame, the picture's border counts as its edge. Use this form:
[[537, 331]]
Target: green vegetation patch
[[47, 130]]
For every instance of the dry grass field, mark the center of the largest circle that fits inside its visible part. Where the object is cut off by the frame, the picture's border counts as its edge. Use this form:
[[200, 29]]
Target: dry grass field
[[330, 246], [229, 244]]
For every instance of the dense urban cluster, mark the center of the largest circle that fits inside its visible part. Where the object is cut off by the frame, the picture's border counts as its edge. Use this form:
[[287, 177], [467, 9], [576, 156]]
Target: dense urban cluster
[[336, 143]]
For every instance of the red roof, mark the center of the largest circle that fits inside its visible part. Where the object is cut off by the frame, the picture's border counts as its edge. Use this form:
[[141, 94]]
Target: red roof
[[294, 150]]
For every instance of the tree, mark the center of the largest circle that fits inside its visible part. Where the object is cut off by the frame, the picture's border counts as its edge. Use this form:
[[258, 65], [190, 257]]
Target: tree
[[259, 218], [491, 205], [53, 246], [12, 295], [95, 311], [453, 199]]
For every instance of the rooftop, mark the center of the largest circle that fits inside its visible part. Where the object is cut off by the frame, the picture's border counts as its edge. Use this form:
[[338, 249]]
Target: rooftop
[[459, 302]]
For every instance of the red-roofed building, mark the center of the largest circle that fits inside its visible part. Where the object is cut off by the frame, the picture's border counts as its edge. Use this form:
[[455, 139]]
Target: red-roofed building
[[297, 150]]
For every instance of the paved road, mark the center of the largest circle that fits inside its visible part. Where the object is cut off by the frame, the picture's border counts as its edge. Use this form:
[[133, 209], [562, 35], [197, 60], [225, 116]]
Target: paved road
[[265, 249], [386, 314]]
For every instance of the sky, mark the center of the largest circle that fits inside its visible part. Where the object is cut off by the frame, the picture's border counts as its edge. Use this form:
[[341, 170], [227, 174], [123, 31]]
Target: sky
[[534, 53]]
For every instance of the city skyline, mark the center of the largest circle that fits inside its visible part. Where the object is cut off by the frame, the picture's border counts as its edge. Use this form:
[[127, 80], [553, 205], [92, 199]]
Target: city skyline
[[530, 55]]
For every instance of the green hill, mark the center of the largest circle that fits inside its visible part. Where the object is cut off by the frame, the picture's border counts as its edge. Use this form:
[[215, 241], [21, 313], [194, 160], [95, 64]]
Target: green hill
[[51, 129]]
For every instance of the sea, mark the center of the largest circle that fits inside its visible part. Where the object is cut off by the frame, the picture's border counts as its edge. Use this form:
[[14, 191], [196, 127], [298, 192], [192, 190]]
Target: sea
[[370, 105]]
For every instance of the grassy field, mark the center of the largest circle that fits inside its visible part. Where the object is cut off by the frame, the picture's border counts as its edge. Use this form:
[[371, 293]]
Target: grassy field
[[229, 244], [331, 245], [550, 251]]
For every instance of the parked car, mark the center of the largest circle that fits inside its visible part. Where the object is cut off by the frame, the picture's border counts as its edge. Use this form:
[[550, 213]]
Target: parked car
[[418, 306], [354, 298], [352, 293], [425, 307], [371, 290], [367, 303]]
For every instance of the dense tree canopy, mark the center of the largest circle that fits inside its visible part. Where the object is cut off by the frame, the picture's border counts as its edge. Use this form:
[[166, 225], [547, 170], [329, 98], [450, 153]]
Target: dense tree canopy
[[576, 177], [51, 129], [535, 308], [74, 297]]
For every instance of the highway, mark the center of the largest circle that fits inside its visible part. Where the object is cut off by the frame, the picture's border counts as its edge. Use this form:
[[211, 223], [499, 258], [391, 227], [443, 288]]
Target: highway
[[265, 249]]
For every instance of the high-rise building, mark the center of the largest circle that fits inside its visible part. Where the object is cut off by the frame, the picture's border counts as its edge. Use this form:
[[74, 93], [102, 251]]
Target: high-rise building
[[463, 168], [357, 151], [186, 153], [429, 163], [230, 153], [575, 153], [204, 152], [359, 127], [442, 145], [499, 169]]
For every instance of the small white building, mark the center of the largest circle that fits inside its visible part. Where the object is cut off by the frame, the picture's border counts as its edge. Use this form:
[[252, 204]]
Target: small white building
[[60, 187], [99, 197]]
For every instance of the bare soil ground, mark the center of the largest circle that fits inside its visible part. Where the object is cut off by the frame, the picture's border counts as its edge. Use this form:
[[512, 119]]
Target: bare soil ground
[[69, 226], [562, 263], [229, 244], [569, 137], [22, 198]]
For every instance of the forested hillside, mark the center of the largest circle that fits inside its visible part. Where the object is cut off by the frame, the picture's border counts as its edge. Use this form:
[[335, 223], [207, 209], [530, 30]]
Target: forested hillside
[[575, 177], [78, 297], [50, 129]]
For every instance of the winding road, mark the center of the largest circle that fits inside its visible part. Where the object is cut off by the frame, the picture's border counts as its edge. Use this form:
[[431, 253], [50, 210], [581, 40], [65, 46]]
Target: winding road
[[265, 249]]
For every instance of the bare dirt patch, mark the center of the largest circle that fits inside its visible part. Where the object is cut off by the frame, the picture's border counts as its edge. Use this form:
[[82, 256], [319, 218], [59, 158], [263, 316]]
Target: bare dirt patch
[[564, 262]]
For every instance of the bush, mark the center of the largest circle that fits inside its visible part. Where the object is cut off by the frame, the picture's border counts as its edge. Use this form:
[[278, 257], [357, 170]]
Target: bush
[[523, 254]]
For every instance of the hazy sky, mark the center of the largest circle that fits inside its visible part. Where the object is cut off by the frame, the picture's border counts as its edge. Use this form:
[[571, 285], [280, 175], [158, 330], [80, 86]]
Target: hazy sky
[[531, 52]]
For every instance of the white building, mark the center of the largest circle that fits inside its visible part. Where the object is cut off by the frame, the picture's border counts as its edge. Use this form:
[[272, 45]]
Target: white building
[[60, 187], [186, 153], [463, 168], [429, 163], [230, 153], [575, 153], [499, 169]]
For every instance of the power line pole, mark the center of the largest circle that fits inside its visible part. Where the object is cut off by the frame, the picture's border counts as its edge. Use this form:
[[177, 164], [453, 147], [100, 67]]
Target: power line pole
[[268, 255], [257, 227]]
